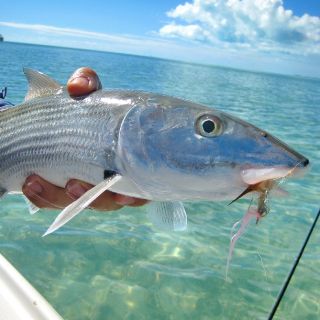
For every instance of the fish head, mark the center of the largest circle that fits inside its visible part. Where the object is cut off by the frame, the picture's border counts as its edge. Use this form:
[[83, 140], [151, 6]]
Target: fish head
[[175, 149]]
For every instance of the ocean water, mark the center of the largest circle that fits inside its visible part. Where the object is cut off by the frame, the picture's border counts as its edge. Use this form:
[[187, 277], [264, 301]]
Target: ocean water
[[115, 265]]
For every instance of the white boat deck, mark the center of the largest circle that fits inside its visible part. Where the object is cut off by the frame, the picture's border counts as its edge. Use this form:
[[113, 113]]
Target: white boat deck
[[19, 300]]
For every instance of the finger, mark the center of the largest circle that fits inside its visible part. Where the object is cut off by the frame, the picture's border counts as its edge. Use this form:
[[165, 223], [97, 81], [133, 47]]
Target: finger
[[44, 194], [128, 201], [139, 202], [76, 189], [83, 81]]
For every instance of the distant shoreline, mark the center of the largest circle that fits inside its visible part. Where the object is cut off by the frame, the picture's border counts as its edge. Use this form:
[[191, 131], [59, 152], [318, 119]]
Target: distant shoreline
[[172, 60]]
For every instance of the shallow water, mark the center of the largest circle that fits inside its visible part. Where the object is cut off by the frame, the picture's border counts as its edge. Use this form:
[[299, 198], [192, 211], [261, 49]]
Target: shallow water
[[117, 266]]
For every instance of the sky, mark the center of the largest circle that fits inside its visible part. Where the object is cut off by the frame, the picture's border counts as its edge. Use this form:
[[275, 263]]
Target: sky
[[281, 36]]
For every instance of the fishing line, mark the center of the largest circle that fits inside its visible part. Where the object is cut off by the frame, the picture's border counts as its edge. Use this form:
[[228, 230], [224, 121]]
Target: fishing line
[[293, 269]]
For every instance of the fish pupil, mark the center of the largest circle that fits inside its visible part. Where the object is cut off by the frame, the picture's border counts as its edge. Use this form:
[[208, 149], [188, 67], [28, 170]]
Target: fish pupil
[[208, 126]]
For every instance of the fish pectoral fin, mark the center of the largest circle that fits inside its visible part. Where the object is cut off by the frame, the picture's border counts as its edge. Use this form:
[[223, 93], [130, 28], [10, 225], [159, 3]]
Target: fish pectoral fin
[[78, 205], [39, 84], [31, 207], [168, 216]]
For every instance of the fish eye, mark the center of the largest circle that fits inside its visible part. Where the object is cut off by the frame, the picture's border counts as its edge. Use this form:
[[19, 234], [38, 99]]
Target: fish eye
[[208, 126]]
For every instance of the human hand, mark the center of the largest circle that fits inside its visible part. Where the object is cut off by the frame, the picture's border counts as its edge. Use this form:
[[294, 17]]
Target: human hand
[[46, 195]]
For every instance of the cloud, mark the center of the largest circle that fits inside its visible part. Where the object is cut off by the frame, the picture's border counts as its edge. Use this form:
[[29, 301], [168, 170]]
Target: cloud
[[78, 38], [256, 24], [257, 54], [70, 32], [152, 45]]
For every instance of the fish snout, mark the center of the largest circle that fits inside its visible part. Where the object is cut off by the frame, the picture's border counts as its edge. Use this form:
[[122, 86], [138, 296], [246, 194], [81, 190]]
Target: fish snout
[[304, 163], [287, 155], [279, 161]]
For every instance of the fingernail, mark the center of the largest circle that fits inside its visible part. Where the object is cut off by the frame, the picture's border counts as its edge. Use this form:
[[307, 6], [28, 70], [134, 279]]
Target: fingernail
[[76, 190], [35, 187], [125, 200], [80, 81]]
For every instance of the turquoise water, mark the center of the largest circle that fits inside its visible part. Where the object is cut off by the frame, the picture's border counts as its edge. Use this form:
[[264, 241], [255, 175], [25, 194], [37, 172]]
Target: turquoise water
[[116, 266]]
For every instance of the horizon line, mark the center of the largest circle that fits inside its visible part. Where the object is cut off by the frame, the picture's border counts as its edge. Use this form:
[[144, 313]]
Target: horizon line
[[168, 59]]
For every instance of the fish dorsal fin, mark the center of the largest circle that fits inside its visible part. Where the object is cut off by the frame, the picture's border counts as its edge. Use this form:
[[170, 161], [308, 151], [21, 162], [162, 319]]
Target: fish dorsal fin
[[168, 216], [39, 84]]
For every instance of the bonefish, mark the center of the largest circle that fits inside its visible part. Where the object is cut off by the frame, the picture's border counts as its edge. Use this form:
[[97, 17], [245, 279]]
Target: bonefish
[[141, 144]]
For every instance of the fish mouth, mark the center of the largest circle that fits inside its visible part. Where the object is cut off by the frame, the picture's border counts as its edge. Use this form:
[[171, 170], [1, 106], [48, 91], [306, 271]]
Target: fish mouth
[[264, 179], [254, 175], [279, 162]]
